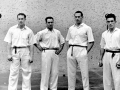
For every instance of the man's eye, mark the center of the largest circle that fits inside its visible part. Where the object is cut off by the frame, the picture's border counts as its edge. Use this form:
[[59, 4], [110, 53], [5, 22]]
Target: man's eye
[[20, 19], [77, 16], [110, 21]]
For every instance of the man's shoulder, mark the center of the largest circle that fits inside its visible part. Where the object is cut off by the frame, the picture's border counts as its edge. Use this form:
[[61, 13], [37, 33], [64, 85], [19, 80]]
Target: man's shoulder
[[117, 29], [85, 25], [13, 27], [42, 31], [104, 32], [56, 30], [28, 28], [72, 26]]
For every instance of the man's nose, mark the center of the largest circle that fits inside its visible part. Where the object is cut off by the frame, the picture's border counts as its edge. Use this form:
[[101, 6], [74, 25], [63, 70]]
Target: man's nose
[[20, 19], [110, 22], [50, 23]]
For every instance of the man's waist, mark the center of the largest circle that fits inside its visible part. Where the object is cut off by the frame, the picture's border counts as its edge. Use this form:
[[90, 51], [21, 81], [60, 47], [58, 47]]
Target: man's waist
[[76, 45], [50, 48], [113, 51], [19, 47]]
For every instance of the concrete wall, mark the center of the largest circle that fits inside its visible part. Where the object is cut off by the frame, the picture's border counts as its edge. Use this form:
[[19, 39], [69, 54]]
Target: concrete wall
[[62, 11]]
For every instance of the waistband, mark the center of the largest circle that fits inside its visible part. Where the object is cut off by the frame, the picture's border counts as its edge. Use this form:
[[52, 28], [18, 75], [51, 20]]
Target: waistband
[[16, 47], [76, 45], [50, 48], [70, 45], [19, 47], [113, 52]]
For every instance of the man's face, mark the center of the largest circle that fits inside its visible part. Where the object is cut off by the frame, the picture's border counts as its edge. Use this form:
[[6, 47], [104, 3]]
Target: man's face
[[78, 18], [50, 23], [110, 23], [21, 20]]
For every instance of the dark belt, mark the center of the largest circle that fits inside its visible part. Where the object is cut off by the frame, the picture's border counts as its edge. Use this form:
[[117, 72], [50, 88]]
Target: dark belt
[[15, 47], [113, 52], [75, 46], [50, 49]]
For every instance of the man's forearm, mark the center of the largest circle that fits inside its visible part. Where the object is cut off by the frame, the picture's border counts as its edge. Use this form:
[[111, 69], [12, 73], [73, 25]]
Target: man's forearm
[[102, 51], [9, 49], [61, 47], [38, 46], [31, 50], [90, 45]]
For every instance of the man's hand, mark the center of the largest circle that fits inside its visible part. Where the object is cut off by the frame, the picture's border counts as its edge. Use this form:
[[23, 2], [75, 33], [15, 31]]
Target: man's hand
[[57, 52], [10, 58], [30, 60], [118, 64], [100, 63], [40, 48]]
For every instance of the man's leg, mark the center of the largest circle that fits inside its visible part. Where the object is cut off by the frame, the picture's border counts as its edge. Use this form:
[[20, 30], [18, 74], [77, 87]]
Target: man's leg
[[14, 73], [107, 74], [116, 71], [26, 69], [71, 69], [45, 70], [54, 72], [82, 59]]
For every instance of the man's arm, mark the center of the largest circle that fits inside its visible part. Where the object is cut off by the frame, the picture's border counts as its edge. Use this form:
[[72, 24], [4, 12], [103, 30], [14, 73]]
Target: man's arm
[[102, 52], [89, 47], [38, 46], [60, 49], [31, 49], [9, 49]]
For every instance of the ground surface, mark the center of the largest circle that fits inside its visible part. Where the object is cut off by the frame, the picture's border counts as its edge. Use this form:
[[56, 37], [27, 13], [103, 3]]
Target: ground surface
[[94, 75]]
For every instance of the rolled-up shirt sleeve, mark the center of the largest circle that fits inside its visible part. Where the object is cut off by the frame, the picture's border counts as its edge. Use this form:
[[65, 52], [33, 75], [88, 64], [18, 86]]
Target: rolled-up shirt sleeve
[[8, 37], [61, 38], [102, 42], [35, 39], [68, 37], [31, 38], [38, 37], [90, 35]]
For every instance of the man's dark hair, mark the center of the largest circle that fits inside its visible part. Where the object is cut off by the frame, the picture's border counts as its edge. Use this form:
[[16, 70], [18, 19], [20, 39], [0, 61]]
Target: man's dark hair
[[49, 18], [110, 16], [79, 12], [21, 14]]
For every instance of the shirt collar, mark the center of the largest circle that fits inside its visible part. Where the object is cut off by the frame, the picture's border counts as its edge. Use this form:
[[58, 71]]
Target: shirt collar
[[81, 25], [113, 31], [24, 28], [49, 30]]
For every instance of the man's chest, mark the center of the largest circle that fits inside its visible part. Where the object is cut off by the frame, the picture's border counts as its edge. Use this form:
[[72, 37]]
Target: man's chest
[[18, 34], [112, 37], [78, 32], [50, 36]]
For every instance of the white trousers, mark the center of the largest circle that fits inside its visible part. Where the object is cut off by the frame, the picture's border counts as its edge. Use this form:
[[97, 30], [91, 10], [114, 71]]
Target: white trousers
[[49, 72], [110, 71], [79, 57], [20, 59]]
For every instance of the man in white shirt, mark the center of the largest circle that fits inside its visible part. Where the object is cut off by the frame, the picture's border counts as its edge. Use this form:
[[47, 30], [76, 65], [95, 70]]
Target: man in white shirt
[[50, 42], [80, 40], [110, 54], [20, 40]]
